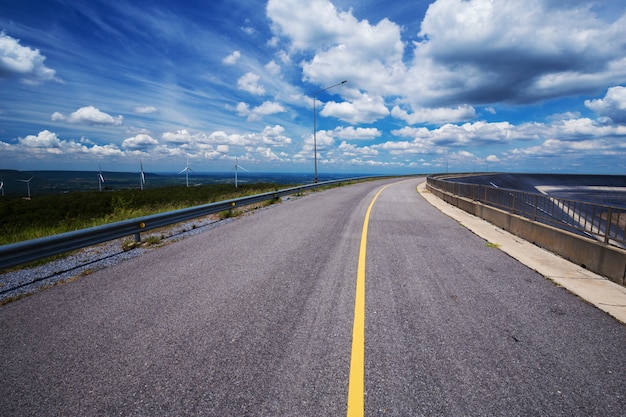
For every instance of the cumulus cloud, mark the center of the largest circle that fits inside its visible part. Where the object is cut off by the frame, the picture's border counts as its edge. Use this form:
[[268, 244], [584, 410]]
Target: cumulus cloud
[[471, 134], [90, 116], [362, 109], [273, 135], [44, 139], [178, 137], [232, 58], [350, 150], [612, 106], [47, 143], [325, 140], [23, 62], [369, 55], [141, 142], [583, 129], [318, 24], [480, 51], [468, 52], [250, 82], [270, 136], [435, 115], [559, 148], [580, 134], [360, 133], [273, 68], [257, 113]]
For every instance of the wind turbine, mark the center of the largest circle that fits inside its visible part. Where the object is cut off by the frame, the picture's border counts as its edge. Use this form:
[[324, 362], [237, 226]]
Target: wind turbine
[[237, 167], [27, 185], [186, 171], [142, 177], [100, 179]]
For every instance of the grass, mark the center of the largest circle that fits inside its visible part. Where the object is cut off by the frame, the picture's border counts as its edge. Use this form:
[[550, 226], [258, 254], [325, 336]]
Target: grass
[[53, 214]]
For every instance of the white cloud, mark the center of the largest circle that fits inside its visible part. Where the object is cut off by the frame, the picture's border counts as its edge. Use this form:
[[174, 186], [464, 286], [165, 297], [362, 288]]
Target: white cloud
[[360, 133], [274, 136], [140, 142], [145, 109], [469, 52], [247, 28], [560, 148], [463, 135], [44, 139], [88, 115], [224, 149], [362, 109], [613, 105], [435, 115], [368, 55], [583, 129], [23, 62], [564, 116], [180, 137], [350, 150], [250, 83], [267, 154], [309, 23], [220, 141], [481, 51], [257, 113], [232, 58], [579, 137], [108, 150], [324, 139], [273, 68], [47, 143]]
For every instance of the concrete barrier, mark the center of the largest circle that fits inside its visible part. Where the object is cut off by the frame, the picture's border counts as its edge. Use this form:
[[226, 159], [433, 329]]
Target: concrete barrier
[[590, 254]]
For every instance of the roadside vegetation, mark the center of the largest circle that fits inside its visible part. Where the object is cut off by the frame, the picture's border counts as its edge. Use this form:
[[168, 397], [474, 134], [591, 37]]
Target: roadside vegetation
[[47, 215]]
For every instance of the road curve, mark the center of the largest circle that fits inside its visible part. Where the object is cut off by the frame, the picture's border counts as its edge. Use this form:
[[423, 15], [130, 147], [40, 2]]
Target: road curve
[[255, 318]]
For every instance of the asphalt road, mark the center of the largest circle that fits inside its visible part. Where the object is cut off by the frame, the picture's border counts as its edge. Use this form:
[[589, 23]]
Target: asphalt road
[[254, 318]]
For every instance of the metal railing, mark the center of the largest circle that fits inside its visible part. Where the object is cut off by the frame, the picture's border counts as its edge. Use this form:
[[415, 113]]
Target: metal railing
[[31, 250], [603, 223]]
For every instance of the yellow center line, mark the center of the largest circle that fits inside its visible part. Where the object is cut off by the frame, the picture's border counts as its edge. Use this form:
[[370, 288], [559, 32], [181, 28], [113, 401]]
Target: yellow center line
[[356, 384]]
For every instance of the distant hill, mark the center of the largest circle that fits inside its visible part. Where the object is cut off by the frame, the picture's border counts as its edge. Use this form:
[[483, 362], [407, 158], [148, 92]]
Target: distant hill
[[57, 182]]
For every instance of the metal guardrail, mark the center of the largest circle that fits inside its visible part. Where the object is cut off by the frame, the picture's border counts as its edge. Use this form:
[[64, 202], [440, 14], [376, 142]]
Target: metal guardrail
[[603, 223], [31, 250]]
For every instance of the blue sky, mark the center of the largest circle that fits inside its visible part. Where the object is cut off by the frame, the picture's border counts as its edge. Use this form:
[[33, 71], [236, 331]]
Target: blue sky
[[458, 85]]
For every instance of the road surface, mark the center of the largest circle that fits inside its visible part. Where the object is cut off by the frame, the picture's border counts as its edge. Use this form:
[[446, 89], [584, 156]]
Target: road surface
[[256, 318]]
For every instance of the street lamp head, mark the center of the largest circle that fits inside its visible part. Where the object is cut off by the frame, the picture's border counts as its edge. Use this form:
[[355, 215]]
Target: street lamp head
[[344, 81]]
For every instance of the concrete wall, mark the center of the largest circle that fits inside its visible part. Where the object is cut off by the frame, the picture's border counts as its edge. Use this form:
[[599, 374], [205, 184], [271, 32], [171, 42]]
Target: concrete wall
[[595, 256]]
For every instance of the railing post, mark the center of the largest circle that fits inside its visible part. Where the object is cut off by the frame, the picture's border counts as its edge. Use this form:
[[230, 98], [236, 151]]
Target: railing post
[[609, 221], [513, 203]]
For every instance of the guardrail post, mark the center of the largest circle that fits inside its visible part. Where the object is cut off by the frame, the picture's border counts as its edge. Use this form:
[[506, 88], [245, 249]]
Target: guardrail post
[[142, 225]]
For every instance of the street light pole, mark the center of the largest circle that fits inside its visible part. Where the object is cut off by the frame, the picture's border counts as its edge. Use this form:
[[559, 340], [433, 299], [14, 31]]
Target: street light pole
[[315, 123]]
